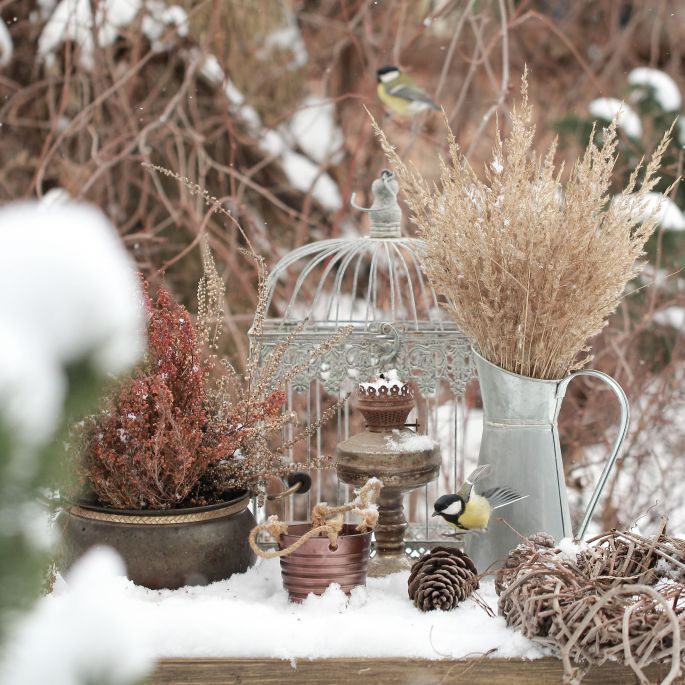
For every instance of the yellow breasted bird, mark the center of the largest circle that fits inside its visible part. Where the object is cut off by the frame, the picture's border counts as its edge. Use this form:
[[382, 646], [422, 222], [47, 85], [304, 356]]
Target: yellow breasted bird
[[400, 94], [467, 510]]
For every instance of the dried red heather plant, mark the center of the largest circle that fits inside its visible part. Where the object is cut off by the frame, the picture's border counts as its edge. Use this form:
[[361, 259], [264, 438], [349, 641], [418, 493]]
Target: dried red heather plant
[[186, 429], [150, 445]]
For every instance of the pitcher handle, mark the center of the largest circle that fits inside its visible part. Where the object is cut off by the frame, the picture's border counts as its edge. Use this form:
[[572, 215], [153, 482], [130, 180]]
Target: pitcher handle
[[622, 431]]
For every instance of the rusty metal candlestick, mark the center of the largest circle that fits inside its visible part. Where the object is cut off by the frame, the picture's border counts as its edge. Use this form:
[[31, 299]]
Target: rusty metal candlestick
[[388, 450]]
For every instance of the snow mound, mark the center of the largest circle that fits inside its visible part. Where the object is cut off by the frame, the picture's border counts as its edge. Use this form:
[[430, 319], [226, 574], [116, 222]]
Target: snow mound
[[607, 108], [84, 632], [661, 86], [68, 292], [249, 616]]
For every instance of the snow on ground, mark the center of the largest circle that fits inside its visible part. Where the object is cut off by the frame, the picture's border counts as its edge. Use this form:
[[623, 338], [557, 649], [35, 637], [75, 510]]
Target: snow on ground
[[607, 108], [662, 86], [68, 292], [250, 615], [84, 633]]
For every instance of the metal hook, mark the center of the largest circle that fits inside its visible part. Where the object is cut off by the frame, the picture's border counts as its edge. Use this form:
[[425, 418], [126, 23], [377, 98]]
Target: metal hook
[[290, 491]]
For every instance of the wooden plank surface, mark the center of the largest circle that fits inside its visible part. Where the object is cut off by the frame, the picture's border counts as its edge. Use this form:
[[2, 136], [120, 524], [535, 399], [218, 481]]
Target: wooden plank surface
[[483, 671]]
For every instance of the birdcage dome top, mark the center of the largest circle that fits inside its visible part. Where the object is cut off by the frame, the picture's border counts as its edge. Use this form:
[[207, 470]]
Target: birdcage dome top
[[375, 284], [361, 280]]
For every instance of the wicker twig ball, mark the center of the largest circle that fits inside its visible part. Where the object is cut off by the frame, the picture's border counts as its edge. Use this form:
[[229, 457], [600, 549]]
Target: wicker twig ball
[[530, 547], [442, 578]]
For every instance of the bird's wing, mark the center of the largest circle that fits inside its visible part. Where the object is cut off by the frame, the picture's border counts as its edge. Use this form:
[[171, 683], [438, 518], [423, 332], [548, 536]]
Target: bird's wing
[[411, 93], [465, 490], [501, 497]]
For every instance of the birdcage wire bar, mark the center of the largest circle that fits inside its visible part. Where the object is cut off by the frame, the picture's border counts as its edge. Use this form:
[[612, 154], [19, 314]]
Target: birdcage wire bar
[[374, 284]]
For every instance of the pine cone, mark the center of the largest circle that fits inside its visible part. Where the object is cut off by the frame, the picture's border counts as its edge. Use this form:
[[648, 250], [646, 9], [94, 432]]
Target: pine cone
[[442, 578], [519, 555]]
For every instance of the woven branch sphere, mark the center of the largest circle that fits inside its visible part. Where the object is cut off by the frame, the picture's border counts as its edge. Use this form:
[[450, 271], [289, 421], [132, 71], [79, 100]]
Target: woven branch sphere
[[528, 549], [442, 578]]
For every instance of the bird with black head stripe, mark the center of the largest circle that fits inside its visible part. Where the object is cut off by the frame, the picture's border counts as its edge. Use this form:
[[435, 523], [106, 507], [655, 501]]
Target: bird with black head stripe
[[467, 511]]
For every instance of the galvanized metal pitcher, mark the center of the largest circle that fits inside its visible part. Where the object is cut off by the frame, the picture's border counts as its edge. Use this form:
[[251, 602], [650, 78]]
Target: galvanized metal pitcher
[[521, 443]]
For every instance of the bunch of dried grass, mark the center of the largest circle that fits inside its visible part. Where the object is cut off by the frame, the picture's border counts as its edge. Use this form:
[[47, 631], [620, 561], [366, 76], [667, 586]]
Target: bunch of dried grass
[[531, 269]]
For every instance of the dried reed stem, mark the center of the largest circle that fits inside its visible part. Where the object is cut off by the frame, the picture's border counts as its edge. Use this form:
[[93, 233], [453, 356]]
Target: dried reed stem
[[531, 269]]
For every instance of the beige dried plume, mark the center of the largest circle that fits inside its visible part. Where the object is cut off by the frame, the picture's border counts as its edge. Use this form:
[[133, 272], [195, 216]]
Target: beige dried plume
[[531, 269]]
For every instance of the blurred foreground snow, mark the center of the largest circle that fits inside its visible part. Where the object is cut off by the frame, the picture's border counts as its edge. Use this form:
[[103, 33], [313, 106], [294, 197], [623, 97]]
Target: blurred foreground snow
[[85, 632], [68, 292], [249, 615]]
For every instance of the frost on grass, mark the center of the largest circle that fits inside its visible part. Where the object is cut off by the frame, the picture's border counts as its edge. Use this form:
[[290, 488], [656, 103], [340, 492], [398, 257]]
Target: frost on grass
[[607, 108], [85, 632], [68, 292]]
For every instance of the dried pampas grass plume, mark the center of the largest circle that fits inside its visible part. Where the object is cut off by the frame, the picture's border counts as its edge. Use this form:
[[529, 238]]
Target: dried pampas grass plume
[[531, 269]]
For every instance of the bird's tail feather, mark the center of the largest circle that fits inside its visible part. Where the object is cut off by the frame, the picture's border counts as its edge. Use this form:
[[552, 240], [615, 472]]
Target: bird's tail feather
[[501, 497]]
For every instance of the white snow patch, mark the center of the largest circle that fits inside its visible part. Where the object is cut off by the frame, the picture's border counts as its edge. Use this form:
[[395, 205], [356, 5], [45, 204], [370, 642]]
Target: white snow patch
[[389, 379], [73, 20], [287, 37], [315, 131], [85, 632], [608, 108], [662, 86], [407, 441], [669, 215], [307, 176], [55, 196], [249, 616], [158, 18], [68, 292], [569, 549], [6, 45], [671, 316]]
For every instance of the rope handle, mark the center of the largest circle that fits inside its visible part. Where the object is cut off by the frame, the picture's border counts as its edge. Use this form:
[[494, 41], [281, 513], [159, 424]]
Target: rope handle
[[325, 520]]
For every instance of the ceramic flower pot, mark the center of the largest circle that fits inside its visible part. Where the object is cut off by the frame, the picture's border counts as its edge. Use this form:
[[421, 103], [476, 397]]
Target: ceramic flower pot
[[315, 565], [165, 549]]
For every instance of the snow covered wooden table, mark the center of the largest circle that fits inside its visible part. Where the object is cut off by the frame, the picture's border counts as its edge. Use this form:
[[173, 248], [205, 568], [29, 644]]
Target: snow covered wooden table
[[483, 671], [244, 630]]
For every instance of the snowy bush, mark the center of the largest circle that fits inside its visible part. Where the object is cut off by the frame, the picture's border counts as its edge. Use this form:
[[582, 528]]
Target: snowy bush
[[70, 314]]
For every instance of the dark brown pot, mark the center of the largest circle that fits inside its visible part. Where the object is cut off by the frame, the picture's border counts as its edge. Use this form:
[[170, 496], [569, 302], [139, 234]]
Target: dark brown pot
[[314, 566], [165, 549]]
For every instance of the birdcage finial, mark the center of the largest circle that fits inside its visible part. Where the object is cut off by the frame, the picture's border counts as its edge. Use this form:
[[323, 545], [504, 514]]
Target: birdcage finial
[[385, 213]]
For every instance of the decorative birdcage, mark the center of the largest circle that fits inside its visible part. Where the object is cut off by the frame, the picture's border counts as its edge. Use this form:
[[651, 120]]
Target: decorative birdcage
[[375, 285]]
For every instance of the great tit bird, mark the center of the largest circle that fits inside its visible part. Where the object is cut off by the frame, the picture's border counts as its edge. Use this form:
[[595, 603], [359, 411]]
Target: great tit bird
[[468, 511], [400, 94]]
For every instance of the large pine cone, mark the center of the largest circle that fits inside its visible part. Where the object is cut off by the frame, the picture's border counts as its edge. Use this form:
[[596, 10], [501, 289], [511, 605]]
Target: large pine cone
[[442, 578], [532, 546]]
